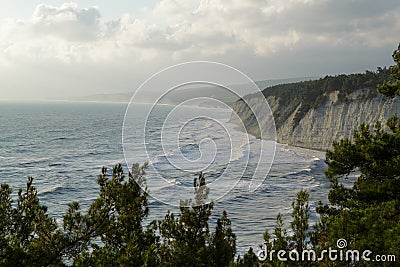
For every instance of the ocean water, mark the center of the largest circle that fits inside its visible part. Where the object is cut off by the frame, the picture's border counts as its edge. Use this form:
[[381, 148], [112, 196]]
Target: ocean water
[[63, 145]]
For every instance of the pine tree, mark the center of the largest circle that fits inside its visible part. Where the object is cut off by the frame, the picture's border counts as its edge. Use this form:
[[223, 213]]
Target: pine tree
[[392, 87], [223, 242], [280, 242], [116, 218], [186, 239], [367, 213], [300, 224]]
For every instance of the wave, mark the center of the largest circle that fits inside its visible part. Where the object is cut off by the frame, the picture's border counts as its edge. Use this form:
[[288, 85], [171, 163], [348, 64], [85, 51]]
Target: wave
[[162, 158], [55, 164], [185, 150], [28, 162], [317, 162], [174, 181], [51, 190], [318, 167], [306, 171], [166, 185], [9, 157], [59, 138], [241, 153], [207, 125], [189, 148]]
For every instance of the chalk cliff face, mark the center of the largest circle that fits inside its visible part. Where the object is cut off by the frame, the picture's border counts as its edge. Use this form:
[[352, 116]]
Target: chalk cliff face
[[317, 127]]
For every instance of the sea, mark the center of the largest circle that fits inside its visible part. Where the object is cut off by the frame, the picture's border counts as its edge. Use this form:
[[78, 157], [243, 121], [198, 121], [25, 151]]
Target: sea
[[64, 145]]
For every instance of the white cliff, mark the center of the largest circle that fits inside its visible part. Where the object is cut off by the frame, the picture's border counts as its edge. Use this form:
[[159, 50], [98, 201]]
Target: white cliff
[[317, 127]]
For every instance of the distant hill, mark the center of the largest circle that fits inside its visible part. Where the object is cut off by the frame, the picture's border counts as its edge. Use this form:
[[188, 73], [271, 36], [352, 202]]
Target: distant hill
[[117, 97], [179, 95]]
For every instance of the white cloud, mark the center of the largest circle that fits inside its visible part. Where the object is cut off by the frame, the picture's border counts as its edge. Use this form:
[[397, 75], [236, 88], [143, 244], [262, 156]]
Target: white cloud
[[68, 22], [231, 31], [207, 27]]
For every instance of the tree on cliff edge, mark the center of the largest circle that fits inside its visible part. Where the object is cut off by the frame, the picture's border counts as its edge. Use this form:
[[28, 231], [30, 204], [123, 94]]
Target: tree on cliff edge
[[392, 87]]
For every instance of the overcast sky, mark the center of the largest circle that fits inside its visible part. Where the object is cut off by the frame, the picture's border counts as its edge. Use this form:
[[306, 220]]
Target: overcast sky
[[53, 49]]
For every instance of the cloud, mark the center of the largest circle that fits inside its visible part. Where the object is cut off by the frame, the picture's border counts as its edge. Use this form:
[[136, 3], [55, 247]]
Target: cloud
[[246, 34], [68, 22], [53, 33], [204, 28]]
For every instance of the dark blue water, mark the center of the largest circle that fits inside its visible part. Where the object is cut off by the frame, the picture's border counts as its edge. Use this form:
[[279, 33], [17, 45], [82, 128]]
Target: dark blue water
[[63, 145]]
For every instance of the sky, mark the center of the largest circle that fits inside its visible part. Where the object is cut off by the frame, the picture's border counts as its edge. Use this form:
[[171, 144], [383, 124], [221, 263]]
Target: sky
[[59, 50]]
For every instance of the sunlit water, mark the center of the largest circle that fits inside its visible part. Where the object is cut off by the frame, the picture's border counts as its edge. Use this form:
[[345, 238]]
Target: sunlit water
[[64, 145]]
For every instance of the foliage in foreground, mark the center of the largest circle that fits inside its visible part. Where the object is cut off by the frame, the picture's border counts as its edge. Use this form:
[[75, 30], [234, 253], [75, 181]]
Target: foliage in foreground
[[111, 232]]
